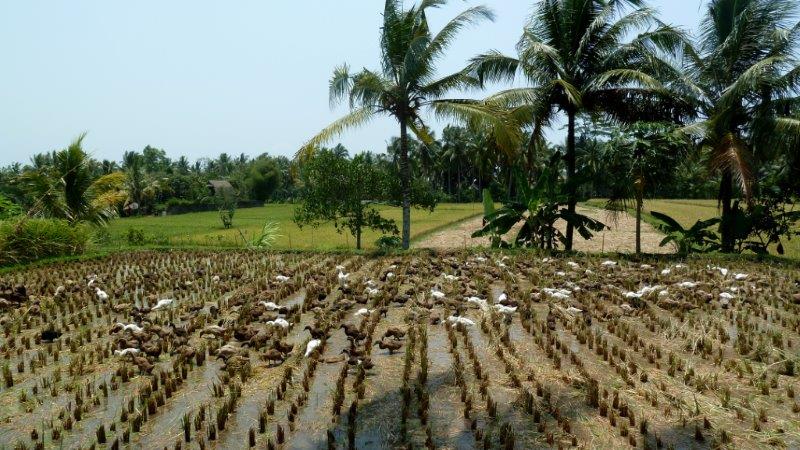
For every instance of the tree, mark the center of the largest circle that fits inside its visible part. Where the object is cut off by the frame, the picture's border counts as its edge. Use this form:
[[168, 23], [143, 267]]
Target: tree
[[63, 188], [746, 77], [263, 178], [537, 207], [574, 58], [344, 191], [407, 84], [640, 156]]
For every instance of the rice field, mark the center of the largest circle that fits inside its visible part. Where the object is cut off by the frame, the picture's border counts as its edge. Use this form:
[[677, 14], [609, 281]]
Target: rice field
[[196, 349], [205, 228]]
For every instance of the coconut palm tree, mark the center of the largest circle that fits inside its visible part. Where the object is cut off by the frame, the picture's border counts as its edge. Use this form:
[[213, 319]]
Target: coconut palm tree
[[62, 189], [407, 84], [575, 60], [745, 74]]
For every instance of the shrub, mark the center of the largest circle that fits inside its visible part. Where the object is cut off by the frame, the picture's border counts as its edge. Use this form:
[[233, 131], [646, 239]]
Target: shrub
[[388, 242], [135, 236], [27, 240]]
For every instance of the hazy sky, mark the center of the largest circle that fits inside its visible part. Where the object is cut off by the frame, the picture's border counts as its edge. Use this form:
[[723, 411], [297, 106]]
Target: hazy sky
[[198, 77]]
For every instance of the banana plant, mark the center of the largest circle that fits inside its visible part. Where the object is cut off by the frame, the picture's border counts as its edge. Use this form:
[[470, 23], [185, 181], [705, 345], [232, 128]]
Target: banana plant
[[538, 208]]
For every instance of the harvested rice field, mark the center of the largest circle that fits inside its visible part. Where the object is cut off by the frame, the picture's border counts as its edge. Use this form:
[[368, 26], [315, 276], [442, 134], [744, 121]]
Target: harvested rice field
[[237, 350]]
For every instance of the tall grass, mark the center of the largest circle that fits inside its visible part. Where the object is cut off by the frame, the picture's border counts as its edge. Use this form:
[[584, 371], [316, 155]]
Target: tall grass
[[24, 240]]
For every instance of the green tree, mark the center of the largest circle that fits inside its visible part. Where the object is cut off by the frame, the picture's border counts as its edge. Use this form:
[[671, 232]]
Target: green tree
[[746, 77], [407, 84], [344, 191], [640, 156], [263, 178], [63, 188], [575, 59]]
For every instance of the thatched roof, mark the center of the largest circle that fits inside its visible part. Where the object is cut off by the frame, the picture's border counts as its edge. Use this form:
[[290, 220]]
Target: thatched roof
[[219, 185]]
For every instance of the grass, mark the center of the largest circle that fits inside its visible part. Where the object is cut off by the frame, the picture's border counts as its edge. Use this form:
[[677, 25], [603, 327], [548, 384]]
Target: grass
[[687, 212], [205, 228]]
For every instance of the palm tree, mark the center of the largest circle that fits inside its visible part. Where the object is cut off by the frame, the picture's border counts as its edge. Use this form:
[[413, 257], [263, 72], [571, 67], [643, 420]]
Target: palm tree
[[574, 58], [63, 188], [407, 84], [745, 74]]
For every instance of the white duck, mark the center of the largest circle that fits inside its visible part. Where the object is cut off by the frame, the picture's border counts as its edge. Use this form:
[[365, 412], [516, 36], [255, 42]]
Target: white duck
[[270, 306], [437, 294], [163, 303], [461, 320], [483, 304], [505, 309], [311, 346], [131, 326], [127, 351], [101, 294], [282, 278], [362, 312], [279, 322]]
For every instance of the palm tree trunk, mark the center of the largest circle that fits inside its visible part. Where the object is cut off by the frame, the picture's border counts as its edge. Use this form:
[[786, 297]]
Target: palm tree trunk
[[638, 224], [405, 184], [569, 159], [726, 227]]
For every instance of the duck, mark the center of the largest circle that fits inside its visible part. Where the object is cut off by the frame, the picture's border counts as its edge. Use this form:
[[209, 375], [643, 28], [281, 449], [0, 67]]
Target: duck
[[226, 351], [311, 346], [143, 363], [316, 332], [395, 333], [460, 321], [163, 303], [353, 332], [282, 278], [127, 351], [273, 356], [283, 347], [49, 335], [279, 322], [272, 306], [362, 312], [119, 326], [437, 294], [101, 294], [392, 346]]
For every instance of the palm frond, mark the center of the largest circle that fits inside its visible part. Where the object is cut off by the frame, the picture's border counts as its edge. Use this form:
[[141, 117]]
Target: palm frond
[[354, 119], [731, 154], [480, 115]]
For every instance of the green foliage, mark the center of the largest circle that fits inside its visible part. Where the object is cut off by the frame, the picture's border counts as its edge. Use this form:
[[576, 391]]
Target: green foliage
[[63, 187], [264, 178], [343, 191], [135, 236], [538, 208], [407, 84], [8, 208], [268, 236], [387, 242], [763, 223], [25, 239], [696, 239]]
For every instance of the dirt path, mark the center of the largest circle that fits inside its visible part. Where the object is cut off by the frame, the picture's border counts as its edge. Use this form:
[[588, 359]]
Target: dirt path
[[619, 238]]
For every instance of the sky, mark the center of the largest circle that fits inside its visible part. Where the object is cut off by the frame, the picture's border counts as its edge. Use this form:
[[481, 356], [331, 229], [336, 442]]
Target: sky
[[201, 77]]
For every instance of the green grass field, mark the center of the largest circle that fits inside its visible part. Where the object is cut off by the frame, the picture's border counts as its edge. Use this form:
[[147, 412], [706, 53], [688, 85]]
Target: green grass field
[[205, 228], [689, 211]]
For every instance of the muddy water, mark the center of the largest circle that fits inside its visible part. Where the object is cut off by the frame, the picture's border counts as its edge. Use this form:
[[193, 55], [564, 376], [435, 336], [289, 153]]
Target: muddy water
[[165, 427], [258, 389], [450, 429], [314, 418]]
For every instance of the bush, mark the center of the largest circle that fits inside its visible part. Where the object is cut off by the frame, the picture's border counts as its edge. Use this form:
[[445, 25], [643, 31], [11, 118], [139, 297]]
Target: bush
[[135, 236], [388, 242], [27, 240]]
